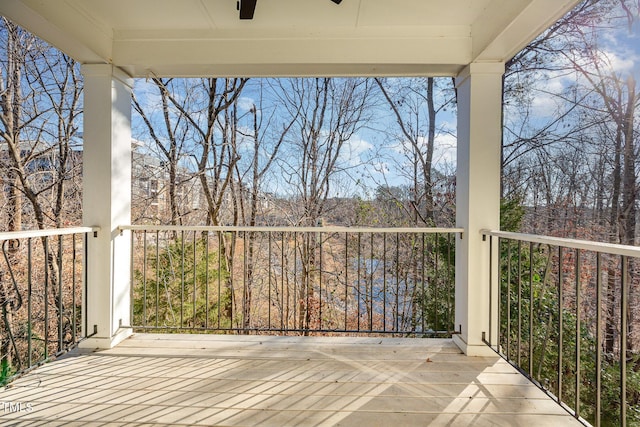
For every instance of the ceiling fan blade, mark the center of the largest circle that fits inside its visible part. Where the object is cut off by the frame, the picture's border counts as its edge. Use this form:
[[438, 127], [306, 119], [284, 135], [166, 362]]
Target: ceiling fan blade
[[247, 8]]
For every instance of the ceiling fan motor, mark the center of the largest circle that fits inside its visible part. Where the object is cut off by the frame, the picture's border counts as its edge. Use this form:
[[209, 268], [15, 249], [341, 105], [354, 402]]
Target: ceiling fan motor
[[248, 7]]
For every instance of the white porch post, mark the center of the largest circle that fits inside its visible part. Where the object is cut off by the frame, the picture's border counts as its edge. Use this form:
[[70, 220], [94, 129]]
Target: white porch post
[[479, 89], [107, 201]]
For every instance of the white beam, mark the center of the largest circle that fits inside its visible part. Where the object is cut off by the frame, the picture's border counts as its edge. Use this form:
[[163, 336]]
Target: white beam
[[67, 34], [107, 201], [479, 89], [498, 13], [290, 56], [518, 31]]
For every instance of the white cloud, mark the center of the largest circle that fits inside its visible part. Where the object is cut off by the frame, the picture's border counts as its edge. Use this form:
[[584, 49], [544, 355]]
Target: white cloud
[[620, 64], [545, 100], [353, 149], [147, 94], [544, 104], [245, 103], [445, 151], [357, 146]]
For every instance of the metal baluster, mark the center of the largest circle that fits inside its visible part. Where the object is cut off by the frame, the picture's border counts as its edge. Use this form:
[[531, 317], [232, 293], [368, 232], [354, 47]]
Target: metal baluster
[[131, 277], [371, 286], [60, 296], [424, 299], [508, 300], [560, 320], [531, 309], [384, 282], [158, 267], [230, 262], [157, 282], [358, 279], [144, 275], [346, 278], [85, 284], [577, 337], [307, 317], [206, 280], [219, 233], [182, 279], [46, 298], [499, 290], [282, 273], [319, 243], [29, 298], [195, 281], [397, 326], [246, 284], [623, 341], [598, 339], [295, 281], [436, 281], [490, 290], [519, 284], [449, 284]]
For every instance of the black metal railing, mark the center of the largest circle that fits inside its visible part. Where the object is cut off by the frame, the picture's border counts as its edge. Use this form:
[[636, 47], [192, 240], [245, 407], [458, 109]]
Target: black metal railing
[[42, 281], [293, 280], [567, 318]]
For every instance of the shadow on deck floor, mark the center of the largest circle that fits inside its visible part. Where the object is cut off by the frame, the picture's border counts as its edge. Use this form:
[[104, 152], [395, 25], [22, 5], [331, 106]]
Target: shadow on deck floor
[[231, 380]]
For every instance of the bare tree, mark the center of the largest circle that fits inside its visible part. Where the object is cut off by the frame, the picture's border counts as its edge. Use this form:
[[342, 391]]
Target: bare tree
[[620, 99], [261, 152], [595, 120], [213, 133], [40, 104], [329, 113], [39, 111], [169, 140], [415, 104]]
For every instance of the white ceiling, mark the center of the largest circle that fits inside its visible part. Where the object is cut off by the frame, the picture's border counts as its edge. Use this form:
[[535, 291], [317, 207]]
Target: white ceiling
[[287, 37]]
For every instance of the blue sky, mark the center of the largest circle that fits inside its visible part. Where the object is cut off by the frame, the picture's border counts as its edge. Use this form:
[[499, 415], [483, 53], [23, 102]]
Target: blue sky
[[375, 154]]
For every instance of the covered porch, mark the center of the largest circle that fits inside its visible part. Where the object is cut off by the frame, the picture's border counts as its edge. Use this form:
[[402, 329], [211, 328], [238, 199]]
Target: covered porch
[[468, 40], [192, 379]]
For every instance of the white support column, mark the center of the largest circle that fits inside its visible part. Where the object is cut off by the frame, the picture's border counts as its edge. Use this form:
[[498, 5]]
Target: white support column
[[107, 201], [479, 89]]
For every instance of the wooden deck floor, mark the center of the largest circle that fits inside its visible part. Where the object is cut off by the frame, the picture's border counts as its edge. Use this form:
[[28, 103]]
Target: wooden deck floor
[[176, 380]]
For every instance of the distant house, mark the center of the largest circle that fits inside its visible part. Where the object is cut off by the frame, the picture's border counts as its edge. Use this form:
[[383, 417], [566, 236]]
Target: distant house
[[150, 189], [40, 163]]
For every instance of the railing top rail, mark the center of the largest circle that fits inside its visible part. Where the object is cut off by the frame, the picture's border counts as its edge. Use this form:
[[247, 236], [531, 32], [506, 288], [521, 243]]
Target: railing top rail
[[609, 248], [13, 235], [330, 229]]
